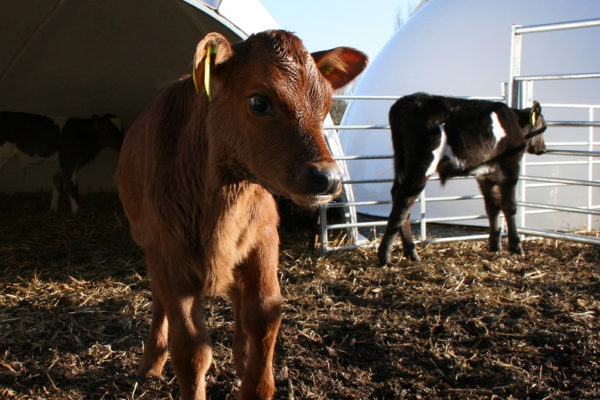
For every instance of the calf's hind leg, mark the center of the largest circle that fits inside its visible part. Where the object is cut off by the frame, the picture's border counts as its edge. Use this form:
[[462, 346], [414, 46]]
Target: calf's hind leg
[[492, 209], [509, 209], [398, 221], [157, 343]]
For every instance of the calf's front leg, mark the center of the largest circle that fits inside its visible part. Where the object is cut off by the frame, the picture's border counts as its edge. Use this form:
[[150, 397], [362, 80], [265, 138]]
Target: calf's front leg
[[177, 319], [258, 316]]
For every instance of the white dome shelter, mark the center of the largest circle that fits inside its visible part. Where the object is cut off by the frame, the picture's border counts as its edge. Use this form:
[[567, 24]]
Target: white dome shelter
[[463, 48], [74, 58]]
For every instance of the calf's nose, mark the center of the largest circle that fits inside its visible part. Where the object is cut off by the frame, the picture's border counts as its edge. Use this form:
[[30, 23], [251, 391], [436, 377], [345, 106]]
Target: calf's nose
[[326, 180]]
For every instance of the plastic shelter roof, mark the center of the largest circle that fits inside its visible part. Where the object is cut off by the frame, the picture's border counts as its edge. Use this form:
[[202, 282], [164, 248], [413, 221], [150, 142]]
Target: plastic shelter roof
[[77, 58]]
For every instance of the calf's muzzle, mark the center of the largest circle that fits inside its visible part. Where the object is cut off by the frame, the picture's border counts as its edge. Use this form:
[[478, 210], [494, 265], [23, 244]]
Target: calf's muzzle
[[321, 179]]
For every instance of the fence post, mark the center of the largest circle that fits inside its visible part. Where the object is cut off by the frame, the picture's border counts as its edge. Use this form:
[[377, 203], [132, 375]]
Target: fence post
[[324, 238], [516, 41], [590, 160], [423, 207], [525, 92]]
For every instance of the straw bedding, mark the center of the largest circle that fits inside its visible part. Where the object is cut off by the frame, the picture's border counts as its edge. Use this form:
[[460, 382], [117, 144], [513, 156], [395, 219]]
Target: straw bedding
[[462, 324]]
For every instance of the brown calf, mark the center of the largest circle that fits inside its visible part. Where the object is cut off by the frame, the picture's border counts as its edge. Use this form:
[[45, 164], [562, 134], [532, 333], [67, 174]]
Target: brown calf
[[195, 177], [456, 137]]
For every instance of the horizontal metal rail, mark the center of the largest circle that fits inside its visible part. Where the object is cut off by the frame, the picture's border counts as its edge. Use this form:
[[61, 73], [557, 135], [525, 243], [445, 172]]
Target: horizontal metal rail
[[560, 236], [573, 152], [555, 163], [416, 221], [364, 97], [587, 144], [582, 124], [355, 127], [586, 23], [340, 204], [374, 157], [395, 97], [549, 151], [364, 181], [573, 106], [357, 224], [556, 77], [577, 210], [560, 180], [533, 233]]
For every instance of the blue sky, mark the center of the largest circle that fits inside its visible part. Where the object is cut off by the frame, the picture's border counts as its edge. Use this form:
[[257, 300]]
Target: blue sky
[[323, 24]]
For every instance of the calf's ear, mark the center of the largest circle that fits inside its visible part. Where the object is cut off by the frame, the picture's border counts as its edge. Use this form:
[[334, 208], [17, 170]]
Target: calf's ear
[[340, 65], [213, 50]]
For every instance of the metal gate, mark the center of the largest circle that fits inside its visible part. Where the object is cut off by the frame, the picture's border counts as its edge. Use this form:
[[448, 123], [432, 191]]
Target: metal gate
[[520, 94]]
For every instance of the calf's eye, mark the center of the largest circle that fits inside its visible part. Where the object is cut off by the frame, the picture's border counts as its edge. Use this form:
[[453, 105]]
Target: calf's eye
[[260, 106]]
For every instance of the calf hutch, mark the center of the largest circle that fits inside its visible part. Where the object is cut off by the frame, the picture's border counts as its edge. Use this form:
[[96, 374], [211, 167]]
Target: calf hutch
[[72, 59]]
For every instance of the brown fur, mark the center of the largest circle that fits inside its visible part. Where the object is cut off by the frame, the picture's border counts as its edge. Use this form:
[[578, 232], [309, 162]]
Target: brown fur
[[194, 178]]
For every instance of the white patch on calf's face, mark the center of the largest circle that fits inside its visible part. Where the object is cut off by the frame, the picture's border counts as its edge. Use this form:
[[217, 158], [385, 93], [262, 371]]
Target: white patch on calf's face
[[497, 129]]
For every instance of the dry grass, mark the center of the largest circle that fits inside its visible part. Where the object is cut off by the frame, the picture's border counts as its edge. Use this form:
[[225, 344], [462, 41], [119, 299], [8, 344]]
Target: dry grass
[[462, 324]]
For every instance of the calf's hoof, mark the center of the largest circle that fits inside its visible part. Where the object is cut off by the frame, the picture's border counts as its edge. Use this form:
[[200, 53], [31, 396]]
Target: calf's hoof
[[145, 373], [150, 368], [494, 242], [514, 245], [384, 257], [412, 254], [517, 249]]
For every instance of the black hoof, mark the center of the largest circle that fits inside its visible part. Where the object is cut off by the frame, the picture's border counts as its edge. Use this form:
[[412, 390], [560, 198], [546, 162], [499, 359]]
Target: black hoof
[[494, 247], [384, 257], [517, 249]]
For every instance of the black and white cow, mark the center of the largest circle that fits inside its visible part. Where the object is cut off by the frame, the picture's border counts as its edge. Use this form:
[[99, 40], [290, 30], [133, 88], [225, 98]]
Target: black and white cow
[[31, 138], [80, 142], [457, 137]]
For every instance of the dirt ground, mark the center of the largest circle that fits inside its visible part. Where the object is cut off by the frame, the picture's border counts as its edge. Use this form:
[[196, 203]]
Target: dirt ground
[[461, 324]]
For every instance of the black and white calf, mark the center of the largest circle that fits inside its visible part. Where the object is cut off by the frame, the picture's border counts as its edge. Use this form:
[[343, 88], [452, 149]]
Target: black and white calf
[[30, 138], [27, 136], [457, 137], [80, 142]]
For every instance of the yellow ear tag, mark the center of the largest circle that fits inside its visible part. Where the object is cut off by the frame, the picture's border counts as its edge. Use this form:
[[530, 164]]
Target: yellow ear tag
[[326, 70], [212, 50], [533, 118]]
